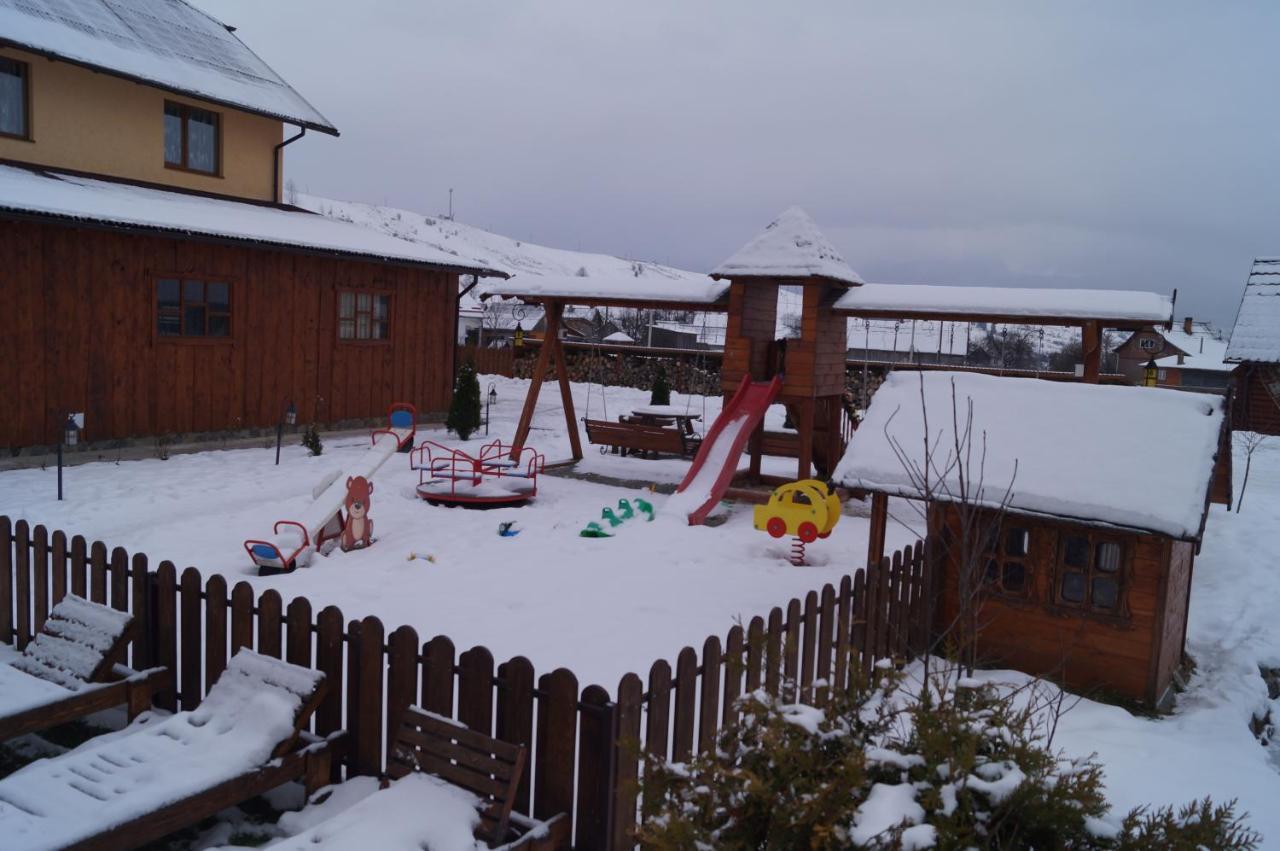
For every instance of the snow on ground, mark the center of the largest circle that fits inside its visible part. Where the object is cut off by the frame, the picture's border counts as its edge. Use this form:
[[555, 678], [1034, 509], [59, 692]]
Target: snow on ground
[[598, 607]]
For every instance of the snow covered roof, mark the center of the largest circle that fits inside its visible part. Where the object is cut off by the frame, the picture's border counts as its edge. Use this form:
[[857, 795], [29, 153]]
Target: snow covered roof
[[790, 247], [1120, 308], [63, 196], [167, 43], [619, 337], [607, 289], [1075, 451], [1204, 349], [1256, 335]]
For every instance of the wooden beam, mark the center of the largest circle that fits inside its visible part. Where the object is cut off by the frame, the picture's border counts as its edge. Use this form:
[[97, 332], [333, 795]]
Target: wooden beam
[[879, 522], [535, 385], [995, 318], [562, 376], [1091, 351], [805, 429]]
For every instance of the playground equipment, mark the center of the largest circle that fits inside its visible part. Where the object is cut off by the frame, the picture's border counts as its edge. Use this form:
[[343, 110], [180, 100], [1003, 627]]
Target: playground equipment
[[627, 510], [296, 541], [495, 478], [808, 510], [717, 460]]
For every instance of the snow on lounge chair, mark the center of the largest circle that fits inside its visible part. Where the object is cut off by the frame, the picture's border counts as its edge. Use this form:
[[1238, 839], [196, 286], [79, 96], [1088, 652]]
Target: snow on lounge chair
[[72, 669], [161, 774]]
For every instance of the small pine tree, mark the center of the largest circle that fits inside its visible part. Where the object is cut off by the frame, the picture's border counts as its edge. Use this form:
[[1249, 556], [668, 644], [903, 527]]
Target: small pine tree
[[464, 412], [661, 393], [311, 440]]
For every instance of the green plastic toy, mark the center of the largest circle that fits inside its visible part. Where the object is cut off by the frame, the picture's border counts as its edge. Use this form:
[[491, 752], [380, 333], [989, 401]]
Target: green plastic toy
[[594, 530], [624, 509], [627, 509], [645, 507], [614, 520]]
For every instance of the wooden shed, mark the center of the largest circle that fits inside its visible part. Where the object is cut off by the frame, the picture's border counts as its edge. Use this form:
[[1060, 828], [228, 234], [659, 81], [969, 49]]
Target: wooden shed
[[1255, 349], [160, 312], [1068, 531]]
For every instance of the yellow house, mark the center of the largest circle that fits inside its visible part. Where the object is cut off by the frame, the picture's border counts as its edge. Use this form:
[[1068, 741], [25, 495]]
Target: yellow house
[[157, 92], [153, 278]]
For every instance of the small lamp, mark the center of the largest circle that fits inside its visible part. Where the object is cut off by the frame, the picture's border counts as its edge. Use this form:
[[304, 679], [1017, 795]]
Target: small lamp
[[291, 415], [1149, 373], [519, 336], [71, 431], [491, 400]]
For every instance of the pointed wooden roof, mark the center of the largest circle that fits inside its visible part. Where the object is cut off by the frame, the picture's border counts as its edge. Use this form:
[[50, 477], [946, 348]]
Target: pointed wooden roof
[[791, 246]]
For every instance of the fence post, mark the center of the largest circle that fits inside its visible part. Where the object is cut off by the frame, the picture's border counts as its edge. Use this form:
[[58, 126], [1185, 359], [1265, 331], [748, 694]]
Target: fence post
[[140, 603], [557, 732], [6, 581], [595, 769], [624, 784]]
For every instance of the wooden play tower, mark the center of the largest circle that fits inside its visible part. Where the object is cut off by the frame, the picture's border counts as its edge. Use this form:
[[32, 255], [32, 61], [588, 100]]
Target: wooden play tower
[[791, 252]]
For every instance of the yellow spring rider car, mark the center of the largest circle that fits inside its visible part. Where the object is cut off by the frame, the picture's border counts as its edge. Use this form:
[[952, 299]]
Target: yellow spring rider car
[[807, 509]]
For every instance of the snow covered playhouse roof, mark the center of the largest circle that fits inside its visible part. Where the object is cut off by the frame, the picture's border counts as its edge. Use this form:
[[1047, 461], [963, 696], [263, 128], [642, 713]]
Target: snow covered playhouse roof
[[61, 196], [790, 247], [1256, 335], [1113, 308], [620, 289], [166, 43], [1080, 452]]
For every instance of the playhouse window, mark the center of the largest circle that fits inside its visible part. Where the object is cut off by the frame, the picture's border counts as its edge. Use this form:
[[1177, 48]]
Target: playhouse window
[[1005, 554], [1090, 573], [363, 316], [189, 307]]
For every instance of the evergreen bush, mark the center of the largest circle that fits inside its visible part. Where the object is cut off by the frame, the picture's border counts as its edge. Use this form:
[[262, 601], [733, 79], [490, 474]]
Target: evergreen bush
[[464, 411], [959, 765], [311, 440], [661, 392]]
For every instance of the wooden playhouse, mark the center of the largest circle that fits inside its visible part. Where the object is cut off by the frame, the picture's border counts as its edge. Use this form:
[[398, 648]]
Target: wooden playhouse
[[1070, 529]]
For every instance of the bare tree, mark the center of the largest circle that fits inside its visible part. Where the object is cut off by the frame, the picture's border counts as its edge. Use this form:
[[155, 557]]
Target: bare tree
[[1249, 441], [952, 470]]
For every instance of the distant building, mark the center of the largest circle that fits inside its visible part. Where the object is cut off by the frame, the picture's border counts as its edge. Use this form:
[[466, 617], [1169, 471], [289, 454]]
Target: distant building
[[1188, 356], [1254, 350]]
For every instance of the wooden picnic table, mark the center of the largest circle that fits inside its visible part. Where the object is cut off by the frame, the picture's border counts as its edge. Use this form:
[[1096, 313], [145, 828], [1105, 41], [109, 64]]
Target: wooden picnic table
[[665, 415]]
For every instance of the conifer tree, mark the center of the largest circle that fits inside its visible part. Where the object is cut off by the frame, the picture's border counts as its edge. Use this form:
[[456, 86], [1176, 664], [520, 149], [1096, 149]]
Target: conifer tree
[[661, 393], [311, 440], [464, 412]]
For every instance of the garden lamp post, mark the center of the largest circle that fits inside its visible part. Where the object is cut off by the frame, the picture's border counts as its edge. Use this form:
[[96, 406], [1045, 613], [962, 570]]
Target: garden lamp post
[[290, 417], [492, 398], [1150, 373], [70, 436], [519, 336]]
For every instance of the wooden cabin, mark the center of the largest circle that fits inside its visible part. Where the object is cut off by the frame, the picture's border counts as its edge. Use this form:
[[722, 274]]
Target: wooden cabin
[[153, 278], [1254, 349], [1073, 535]]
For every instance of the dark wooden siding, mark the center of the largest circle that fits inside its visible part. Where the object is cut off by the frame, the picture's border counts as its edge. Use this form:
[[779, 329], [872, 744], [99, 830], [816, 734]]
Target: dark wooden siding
[[1173, 627], [1255, 409], [80, 330], [753, 310], [1087, 654]]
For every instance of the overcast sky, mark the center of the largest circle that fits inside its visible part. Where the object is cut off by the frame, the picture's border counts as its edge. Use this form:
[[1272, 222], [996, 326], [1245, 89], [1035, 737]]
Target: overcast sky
[[1132, 146]]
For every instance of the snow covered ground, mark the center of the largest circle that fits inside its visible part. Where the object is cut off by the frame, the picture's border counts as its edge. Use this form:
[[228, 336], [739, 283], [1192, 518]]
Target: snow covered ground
[[604, 607], [598, 607]]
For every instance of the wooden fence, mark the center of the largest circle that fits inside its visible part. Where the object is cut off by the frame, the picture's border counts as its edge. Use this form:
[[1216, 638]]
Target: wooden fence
[[585, 746], [501, 361]]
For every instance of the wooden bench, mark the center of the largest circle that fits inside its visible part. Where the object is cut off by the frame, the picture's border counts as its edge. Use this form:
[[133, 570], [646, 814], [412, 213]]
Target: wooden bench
[[632, 437], [485, 766]]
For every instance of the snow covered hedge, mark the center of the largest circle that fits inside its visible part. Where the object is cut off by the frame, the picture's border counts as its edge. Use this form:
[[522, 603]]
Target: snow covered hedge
[[952, 766]]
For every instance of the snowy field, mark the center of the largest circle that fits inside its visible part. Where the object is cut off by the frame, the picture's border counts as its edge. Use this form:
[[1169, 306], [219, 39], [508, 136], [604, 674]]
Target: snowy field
[[598, 607], [604, 607]]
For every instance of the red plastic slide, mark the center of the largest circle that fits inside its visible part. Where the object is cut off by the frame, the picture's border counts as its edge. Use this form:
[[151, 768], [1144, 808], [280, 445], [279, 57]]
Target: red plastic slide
[[717, 459]]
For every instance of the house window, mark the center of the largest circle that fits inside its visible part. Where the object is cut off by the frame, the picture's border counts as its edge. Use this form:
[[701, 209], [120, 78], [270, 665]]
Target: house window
[[363, 316], [14, 98], [190, 138], [189, 307], [1090, 574], [1148, 344], [1005, 554]]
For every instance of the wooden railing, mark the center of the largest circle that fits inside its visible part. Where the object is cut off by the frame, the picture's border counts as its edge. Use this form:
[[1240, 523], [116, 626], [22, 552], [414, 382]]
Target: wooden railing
[[585, 746]]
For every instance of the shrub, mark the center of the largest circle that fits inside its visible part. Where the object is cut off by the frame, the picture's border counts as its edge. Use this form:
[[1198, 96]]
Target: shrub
[[950, 768], [464, 411], [311, 440], [661, 392]]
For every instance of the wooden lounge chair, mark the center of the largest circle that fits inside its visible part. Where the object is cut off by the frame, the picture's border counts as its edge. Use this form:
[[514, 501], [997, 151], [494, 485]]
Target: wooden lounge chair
[[632, 438], [164, 773], [72, 669], [487, 767]]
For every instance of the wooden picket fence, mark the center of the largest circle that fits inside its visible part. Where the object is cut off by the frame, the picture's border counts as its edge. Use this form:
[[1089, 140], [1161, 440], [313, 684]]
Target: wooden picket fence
[[585, 747]]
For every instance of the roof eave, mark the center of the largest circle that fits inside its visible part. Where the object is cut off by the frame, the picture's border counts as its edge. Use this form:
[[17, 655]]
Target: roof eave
[[54, 56]]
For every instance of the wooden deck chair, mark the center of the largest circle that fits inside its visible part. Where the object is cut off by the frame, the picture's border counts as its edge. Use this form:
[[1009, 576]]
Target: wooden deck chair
[[73, 668], [162, 774], [485, 766]]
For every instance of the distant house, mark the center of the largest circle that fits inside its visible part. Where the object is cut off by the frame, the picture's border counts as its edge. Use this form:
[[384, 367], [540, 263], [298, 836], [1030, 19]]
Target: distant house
[[1188, 356], [1079, 531], [1254, 350], [153, 278]]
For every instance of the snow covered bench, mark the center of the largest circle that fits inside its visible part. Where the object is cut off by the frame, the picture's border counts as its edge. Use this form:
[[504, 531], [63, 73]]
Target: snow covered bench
[[486, 768], [163, 773], [72, 669], [633, 438]]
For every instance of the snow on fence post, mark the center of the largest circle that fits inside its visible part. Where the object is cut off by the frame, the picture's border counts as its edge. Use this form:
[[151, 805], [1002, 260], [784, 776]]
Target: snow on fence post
[[6, 582]]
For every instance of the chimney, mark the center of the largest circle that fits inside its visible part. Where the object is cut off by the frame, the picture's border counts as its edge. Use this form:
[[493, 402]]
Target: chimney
[[1181, 358], [1186, 325]]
